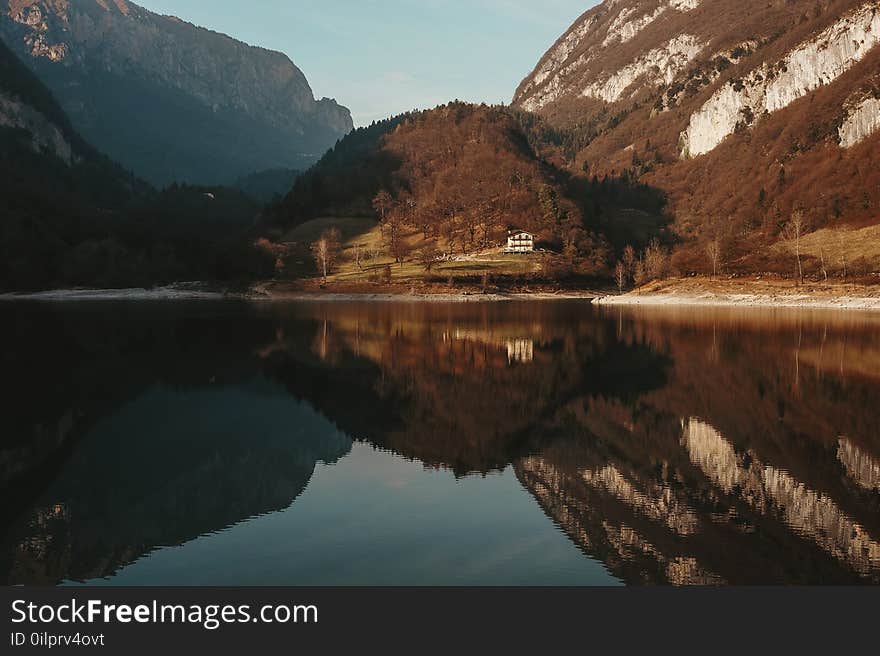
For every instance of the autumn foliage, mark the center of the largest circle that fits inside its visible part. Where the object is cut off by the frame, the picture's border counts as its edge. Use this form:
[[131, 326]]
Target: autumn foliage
[[730, 208], [460, 176]]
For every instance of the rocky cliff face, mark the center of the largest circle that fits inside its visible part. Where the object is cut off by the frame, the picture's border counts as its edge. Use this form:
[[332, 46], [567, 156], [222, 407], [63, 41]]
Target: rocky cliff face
[[168, 99], [35, 132], [771, 87], [45, 136], [737, 109], [29, 117], [601, 57]]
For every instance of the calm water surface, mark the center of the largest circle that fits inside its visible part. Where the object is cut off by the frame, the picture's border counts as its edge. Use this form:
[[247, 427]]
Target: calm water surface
[[498, 444]]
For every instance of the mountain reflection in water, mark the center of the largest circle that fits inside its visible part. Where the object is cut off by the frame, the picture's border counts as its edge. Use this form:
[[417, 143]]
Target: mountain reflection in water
[[657, 446]]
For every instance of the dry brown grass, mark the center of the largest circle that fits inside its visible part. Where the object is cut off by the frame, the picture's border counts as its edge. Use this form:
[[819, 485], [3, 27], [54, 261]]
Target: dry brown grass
[[858, 248], [366, 235], [759, 285], [839, 242]]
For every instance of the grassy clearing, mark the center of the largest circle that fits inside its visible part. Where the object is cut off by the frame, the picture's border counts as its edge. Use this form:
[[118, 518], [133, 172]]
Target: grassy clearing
[[837, 244], [300, 239], [366, 236], [311, 230]]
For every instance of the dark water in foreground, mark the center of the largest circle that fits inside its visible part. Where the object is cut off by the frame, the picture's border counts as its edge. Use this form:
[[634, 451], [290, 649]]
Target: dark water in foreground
[[527, 443]]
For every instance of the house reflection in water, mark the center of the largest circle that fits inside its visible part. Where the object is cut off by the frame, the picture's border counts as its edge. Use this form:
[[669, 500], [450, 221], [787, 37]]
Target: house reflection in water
[[520, 350]]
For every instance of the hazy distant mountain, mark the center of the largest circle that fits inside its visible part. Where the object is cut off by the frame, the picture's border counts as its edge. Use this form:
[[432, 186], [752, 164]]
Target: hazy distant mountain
[[742, 111], [167, 99], [267, 186]]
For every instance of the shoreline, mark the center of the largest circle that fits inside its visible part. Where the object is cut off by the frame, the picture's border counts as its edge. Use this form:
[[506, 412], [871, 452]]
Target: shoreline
[[741, 301], [306, 297], [130, 294], [258, 296], [747, 294], [686, 293]]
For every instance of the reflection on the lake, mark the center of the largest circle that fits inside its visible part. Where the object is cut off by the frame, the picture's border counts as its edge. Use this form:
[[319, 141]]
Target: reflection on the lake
[[673, 447], [861, 467]]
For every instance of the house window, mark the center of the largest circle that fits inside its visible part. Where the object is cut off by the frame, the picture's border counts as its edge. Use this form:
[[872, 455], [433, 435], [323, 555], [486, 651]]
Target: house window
[[520, 242]]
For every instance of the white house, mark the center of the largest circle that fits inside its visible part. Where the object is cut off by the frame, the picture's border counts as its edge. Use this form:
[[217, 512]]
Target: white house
[[519, 241]]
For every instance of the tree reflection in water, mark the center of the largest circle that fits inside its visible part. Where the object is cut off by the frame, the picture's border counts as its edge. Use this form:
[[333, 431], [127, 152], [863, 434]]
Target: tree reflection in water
[[676, 447]]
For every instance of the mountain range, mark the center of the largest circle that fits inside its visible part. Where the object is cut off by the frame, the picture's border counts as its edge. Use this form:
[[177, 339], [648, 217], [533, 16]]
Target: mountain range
[[169, 100], [701, 124]]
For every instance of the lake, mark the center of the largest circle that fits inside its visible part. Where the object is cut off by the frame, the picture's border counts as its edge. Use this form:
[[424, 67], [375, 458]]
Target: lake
[[522, 443]]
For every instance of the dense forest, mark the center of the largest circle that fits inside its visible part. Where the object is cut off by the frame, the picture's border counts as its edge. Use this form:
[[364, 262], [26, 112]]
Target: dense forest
[[345, 179], [73, 217], [268, 186]]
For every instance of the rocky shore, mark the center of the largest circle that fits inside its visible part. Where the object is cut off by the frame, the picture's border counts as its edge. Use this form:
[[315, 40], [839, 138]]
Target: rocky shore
[[742, 293]]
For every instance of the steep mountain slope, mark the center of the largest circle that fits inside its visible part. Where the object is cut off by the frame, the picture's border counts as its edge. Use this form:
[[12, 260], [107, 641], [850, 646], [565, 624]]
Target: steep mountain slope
[[52, 184], [34, 125], [167, 99], [743, 112], [71, 216]]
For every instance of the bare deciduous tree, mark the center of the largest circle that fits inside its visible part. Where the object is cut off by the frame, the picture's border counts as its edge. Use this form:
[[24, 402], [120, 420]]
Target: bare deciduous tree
[[862, 267], [621, 276], [640, 275], [793, 232], [713, 251], [428, 256], [392, 230], [399, 250], [383, 204], [655, 261], [629, 261], [326, 251]]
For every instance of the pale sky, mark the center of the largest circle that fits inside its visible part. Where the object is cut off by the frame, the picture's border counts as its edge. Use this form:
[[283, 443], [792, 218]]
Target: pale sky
[[383, 57]]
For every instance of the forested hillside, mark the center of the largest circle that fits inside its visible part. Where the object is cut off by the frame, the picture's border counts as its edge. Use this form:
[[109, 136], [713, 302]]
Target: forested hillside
[[70, 216], [346, 179], [462, 175]]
